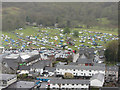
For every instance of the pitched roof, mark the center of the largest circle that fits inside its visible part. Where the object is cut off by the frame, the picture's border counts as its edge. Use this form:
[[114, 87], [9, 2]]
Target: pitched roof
[[99, 64], [69, 81], [11, 64], [98, 76], [22, 84], [112, 68], [84, 60], [7, 76], [24, 67], [72, 63], [110, 88], [88, 52], [38, 65], [50, 69], [6, 69], [80, 67], [101, 52]]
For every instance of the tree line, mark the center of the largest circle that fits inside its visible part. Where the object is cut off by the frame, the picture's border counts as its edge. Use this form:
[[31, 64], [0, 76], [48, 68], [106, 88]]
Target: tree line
[[102, 14]]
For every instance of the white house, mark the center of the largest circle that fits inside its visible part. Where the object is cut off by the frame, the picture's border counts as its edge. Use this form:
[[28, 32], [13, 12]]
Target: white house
[[7, 79], [97, 80], [69, 83], [77, 70], [50, 71]]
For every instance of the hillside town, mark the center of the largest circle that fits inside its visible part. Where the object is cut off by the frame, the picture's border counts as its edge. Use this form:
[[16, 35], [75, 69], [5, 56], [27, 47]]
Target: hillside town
[[54, 68], [59, 46]]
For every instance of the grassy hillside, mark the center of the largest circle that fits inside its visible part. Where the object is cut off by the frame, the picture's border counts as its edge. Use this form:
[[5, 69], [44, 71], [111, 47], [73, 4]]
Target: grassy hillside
[[102, 15], [33, 31]]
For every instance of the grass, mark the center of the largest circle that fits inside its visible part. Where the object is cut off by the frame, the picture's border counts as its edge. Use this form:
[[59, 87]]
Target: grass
[[52, 33]]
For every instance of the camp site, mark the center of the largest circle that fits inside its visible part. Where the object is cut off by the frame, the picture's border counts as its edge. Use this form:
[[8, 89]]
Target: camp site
[[60, 46]]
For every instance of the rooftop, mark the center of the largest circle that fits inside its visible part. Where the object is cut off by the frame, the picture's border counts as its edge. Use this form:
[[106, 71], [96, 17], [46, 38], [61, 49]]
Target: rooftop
[[7, 76], [98, 76], [80, 67], [69, 81], [112, 68], [22, 84]]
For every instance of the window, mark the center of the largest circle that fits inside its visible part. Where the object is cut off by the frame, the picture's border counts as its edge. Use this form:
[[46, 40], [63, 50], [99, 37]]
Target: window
[[72, 84], [89, 70], [73, 69], [63, 84], [82, 84], [53, 87]]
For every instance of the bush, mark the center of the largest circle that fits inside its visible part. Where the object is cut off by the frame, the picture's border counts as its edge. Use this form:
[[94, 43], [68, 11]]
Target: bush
[[68, 76], [66, 30], [76, 33]]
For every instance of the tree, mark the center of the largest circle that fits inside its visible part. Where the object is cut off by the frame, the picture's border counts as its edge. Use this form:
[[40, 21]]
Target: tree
[[68, 76], [76, 33], [66, 30], [111, 52], [68, 23], [28, 19]]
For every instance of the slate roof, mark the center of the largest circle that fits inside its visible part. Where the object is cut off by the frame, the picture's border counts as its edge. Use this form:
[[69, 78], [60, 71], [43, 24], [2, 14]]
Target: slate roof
[[24, 67], [50, 69], [6, 69], [1, 57], [11, 64], [80, 67], [38, 65], [101, 52], [7, 76], [22, 57], [112, 68], [109, 88], [45, 62], [98, 76], [83, 61], [69, 81], [88, 52], [72, 63], [22, 85], [99, 64]]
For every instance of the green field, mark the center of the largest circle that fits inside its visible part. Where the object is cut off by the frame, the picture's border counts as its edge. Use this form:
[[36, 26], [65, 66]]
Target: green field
[[33, 31]]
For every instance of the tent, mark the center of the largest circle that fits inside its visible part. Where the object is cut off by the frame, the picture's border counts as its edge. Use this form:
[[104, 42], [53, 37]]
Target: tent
[[6, 40]]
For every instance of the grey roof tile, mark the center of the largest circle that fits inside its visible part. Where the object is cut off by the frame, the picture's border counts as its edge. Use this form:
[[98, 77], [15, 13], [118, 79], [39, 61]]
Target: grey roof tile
[[69, 81], [81, 67]]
